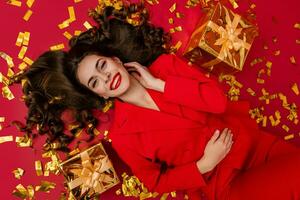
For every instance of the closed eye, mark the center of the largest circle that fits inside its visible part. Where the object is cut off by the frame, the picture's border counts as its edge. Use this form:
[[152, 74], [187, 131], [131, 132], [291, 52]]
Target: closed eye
[[103, 65], [94, 83]]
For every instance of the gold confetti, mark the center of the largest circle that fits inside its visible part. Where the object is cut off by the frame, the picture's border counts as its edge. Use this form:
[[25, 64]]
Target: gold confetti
[[20, 39], [64, 24], [7, 58], [21, 192], [22, 52], [27, 15], [171, 21], [71, 14], [285, 127], [67, 35], [77, 32], [177, 46], [288, 137], [251, 92], [297, 25], [26, 38], [6, 139], [15, 3], [252, 6], [29, 3], [30, 191], [293, 60], [273, 121], [269, 64], [274, 39], [6, 93], [256, 61], [295, 89], [22, 66], [57, 47], [38, 168], [2, 119], [234, 4], [172, 30], [178, 28], [173, 194], [77, 1], [18, 173], [179, 15], [276, 53], [87, 25], [45, 186], [172, 8], [28, 60], [297, 41], [24, 141], [260, 81]]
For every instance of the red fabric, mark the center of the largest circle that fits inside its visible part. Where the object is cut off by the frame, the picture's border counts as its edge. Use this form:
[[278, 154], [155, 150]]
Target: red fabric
[[179, 132]]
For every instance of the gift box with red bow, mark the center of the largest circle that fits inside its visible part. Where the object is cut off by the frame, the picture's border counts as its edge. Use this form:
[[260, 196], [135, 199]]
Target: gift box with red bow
[[89, 173], [221, 36]]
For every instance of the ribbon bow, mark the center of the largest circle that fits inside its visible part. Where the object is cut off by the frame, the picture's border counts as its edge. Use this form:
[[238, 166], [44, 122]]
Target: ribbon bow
[[92, 176]]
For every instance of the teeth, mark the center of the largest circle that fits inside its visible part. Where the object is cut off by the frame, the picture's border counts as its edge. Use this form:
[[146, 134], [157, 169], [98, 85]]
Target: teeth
[[115, 83]]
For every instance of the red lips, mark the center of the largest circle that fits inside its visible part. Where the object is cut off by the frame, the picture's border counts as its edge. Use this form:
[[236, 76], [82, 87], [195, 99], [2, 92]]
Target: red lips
[[117, 78]]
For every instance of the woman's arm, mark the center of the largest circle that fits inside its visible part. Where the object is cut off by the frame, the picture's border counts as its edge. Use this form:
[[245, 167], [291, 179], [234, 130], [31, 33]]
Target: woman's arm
[[182, 177]]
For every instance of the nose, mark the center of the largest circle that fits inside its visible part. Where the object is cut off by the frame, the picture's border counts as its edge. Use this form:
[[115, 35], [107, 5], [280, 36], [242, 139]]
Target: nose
[[105, 76]]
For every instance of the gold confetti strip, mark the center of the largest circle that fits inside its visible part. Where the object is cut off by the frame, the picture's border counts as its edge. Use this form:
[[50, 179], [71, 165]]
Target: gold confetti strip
[[38, 168], [275, 122], [178, 28], [7, 58], [74, 152], [152, 2], [6, 139], [2, 119], [108, 105], [21, 192], [256, 114], [179, 15], [276, 53], [10, 72], [293, 60], [18, 173], [285, 127], [30, 191], [45, 186], [295, 88], [256, 61], [64, 24], [22, 66], [24, 141], [28, 60], [269, 64], [22, 52], [260, 72], [297, 41], [20, 39], [251, 92], [57, 47], [252, 6], [260, 81], [87, 25], [171, 21], [29, 3], [15, 3], [67, 35], [297, 25], [266, 96], [26, 38], [173, 194], [176, 47], [6, 93], [27, 15], [234, 4], [71, 13], [77, 32], [172, 8], [77, 1], [288, 137]]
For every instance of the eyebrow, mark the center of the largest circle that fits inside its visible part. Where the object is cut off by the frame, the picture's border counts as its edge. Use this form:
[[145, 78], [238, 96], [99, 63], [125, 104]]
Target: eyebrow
[[93, 76]]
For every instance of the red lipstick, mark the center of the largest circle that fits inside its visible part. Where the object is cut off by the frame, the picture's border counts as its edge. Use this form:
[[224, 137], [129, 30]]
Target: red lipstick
[[116, 81]]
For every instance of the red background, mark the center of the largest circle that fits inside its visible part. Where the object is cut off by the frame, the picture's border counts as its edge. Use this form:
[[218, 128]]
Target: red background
[[274, 18]]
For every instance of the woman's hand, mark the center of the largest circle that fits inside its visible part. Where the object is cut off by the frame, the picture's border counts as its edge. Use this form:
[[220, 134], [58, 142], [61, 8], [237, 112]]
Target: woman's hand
[[216, 150], [142, 74]]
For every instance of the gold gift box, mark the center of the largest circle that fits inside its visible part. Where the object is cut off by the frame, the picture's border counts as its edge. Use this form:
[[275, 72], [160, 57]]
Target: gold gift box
[[89, 173], [221, 35]]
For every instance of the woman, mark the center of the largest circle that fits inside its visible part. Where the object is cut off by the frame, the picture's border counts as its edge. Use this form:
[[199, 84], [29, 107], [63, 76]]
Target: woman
[[173, 126]]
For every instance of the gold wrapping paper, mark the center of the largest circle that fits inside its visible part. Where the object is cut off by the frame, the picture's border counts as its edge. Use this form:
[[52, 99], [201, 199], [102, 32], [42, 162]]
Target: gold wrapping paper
[[89, 173], [221, 35]]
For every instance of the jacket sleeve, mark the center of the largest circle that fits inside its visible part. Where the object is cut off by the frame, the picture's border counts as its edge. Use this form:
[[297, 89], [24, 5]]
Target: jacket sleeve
[[188, 86], [183, 177]]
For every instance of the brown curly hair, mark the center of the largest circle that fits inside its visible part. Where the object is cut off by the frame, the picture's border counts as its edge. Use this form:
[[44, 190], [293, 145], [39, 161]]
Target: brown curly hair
[[52, 85]]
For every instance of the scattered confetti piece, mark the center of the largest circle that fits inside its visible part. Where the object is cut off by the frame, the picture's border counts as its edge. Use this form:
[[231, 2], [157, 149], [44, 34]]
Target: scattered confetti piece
[[67, 35], [297, 41], [288, 137], [297, 25], [6, 93], [285, 127], [293, 60], [21, 192], [87, 25], [24, 141], [57, 47], [45, 186], [28, 60], [15, 3], [171, 21], [22, 52], [172, 8], [29, 3], [251, 92], [6, 139], [276, 53], [256, 61], [38, 168], [27, 15], [234, 4], [295, 88], [18, 173]]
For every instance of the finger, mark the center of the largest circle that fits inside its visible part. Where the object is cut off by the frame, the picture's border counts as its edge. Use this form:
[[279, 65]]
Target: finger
[[136, 75], [215, 135], [228, 138], [229, 141], [223, 135], [131, 71], [229, 146]]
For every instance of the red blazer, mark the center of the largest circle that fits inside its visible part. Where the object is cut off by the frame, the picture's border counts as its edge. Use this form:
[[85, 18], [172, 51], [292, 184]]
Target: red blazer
[[162, 147]]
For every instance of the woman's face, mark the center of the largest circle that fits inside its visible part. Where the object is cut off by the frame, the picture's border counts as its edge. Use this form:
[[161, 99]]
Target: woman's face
[[105, 76]]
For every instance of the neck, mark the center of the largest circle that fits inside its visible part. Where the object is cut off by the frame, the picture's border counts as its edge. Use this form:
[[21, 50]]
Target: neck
[[136, 93]]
